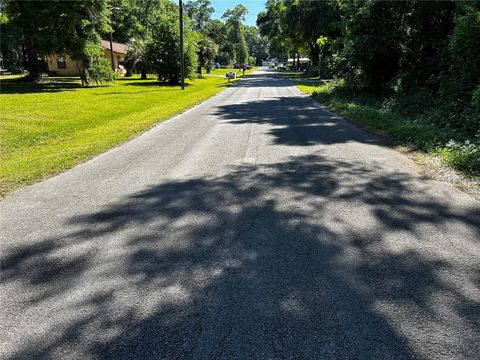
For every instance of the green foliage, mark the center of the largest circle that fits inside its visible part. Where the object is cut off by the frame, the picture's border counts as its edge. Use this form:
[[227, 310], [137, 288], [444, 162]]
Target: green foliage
[[126, 20], [136, 59], [163, 51], [476, 98], [292, 25], [462, 78], [241, 49], [199, 11], [100, 70], [234, 19], [425, 32], [258, 45], [225, 58], [34, 25], [370, 48], [10, 47], [465, 47], [32, 30], [417, 62], [463, 155], [59, 26], [207, 52], [217, 31], [462, 151], [271, 25]]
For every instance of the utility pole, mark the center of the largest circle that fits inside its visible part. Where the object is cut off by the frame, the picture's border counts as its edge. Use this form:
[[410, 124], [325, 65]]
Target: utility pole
[[111, 38], [111, 50], [182, 62]]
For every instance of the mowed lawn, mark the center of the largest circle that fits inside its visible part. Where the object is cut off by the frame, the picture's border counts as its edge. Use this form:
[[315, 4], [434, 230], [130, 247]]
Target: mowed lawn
[[48, 128], [224, 71]]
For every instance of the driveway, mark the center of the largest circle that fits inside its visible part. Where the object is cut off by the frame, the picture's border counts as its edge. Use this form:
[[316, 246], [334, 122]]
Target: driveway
[[256, 225]]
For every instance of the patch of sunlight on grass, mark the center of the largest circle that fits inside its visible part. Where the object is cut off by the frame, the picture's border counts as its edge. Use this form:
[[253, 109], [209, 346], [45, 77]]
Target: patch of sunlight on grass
[[47, 128]]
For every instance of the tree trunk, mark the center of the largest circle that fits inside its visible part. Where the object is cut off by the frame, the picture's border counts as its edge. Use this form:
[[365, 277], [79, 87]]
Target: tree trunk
[[144, 73], [32, 65], [82, 70], [314, 53], [24, 56]]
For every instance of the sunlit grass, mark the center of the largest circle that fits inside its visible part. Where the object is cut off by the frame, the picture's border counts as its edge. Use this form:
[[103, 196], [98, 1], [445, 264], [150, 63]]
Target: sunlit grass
[[47, 128], [223, 71]]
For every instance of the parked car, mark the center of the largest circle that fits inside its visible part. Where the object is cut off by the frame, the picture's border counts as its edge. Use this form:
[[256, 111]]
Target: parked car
[[15, 70]]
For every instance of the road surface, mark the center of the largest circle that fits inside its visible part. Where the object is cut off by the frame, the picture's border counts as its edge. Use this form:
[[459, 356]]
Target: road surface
[[256, 225]]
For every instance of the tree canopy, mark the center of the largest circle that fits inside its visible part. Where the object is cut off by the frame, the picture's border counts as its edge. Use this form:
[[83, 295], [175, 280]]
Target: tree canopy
[[31, 30], [60, 26], [423, 56]]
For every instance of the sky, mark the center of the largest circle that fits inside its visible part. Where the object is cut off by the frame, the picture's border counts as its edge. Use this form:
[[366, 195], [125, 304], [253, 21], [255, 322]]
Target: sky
[[253, 6]]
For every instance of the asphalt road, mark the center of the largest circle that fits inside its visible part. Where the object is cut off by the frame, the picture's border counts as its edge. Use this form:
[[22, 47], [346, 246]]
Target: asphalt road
[[254, 226]]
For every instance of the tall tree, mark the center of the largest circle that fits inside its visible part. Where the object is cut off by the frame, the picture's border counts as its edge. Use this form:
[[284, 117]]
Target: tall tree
[[200, 12], [35, 23], [77, 32], [126, 20], [218, 32], [234, 20], [271, 24], [163, 50], [62, 27], [258, 45], [373, 34], [307, 21], [136, 59], [427, 29], [207, 51], [11, 44]]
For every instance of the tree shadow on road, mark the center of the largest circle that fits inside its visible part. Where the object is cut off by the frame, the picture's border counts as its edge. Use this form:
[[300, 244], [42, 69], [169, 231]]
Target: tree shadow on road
[[297, 121], [306, 258]]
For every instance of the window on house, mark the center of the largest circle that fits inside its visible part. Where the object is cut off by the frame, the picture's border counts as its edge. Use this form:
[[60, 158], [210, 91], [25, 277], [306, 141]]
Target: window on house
[[61, 62]]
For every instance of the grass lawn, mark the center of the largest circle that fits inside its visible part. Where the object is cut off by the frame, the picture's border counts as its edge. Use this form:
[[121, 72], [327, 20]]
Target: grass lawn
[[370, 114], [48, 128], [223, 71]]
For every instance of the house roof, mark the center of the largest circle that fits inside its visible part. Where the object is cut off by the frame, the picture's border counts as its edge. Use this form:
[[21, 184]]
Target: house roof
[[118, 48]]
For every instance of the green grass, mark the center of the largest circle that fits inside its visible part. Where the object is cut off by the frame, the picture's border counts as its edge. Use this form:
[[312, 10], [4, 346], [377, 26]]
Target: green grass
[[48, 128], [455, 149], [223, 71]]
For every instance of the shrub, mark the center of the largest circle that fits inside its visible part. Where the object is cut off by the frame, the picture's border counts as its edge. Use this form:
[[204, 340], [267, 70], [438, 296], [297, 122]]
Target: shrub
[[100, 71], [432, 132], [463, 155]]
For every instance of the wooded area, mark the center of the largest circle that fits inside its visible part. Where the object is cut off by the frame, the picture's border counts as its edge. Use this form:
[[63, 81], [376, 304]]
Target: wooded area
[[420, 59]]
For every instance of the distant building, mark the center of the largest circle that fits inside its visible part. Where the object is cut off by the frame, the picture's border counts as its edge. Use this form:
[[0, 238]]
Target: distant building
[[64, 65], [304, 61]]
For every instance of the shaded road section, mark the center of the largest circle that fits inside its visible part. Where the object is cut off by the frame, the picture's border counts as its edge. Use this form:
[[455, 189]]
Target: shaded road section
[[256, 225]]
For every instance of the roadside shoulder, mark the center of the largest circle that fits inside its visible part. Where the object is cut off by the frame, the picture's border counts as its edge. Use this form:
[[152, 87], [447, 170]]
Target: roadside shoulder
[[431, 165]]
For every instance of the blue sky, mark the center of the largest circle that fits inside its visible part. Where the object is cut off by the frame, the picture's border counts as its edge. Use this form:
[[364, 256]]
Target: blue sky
[[253, 6]]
